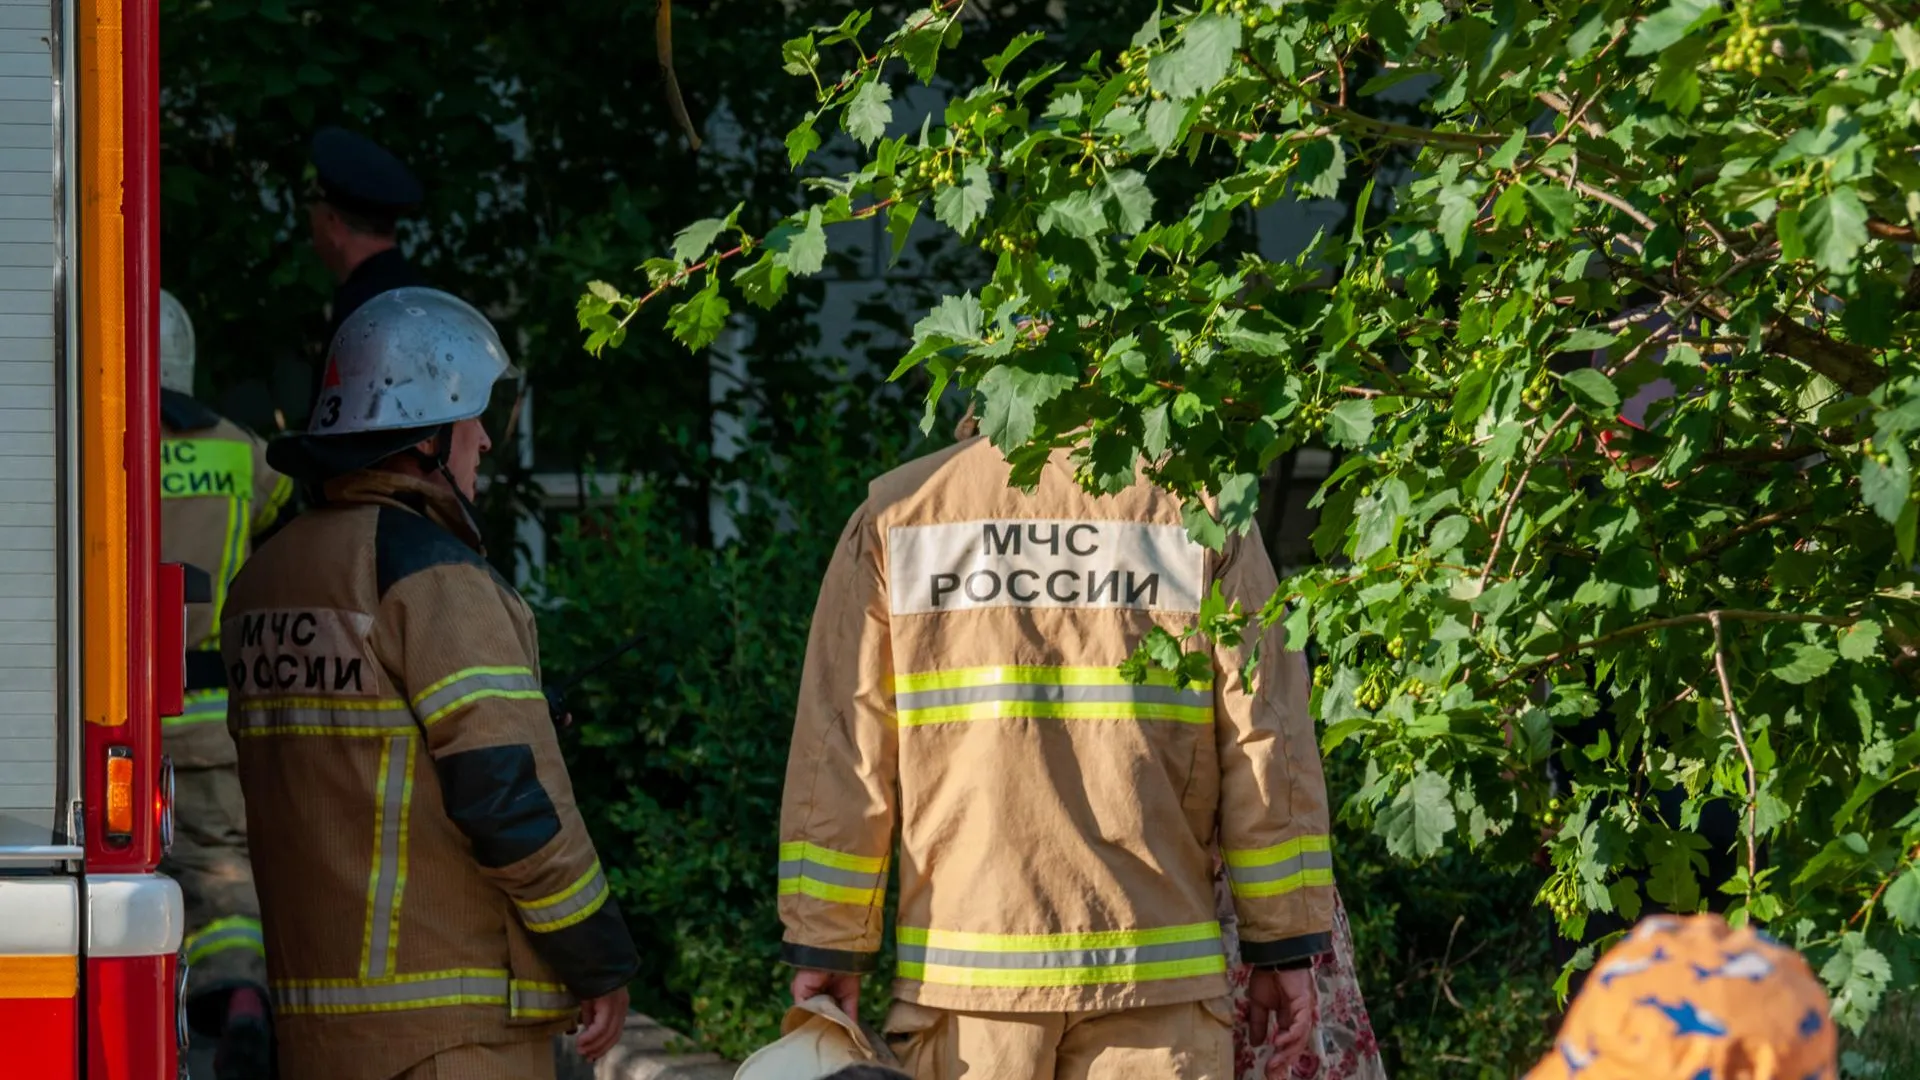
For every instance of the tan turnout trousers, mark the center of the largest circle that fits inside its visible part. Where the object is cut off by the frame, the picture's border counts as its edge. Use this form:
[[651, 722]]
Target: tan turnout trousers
[[1188, 1041]]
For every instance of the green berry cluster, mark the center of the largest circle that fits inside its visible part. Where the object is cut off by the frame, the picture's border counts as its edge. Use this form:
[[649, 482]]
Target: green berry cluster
[[1750, 47]]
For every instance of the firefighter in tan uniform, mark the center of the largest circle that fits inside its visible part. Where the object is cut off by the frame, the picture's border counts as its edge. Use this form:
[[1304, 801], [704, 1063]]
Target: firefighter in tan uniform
[[433, 905], [1055, 823], [216, 492]]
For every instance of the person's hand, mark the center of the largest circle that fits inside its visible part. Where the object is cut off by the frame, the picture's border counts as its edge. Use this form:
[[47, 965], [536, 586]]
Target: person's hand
[[843, 987], [601, 1019], [1289, 996]]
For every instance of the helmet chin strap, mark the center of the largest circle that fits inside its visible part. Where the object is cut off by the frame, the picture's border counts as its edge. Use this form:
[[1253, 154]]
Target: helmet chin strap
[[443, 440]]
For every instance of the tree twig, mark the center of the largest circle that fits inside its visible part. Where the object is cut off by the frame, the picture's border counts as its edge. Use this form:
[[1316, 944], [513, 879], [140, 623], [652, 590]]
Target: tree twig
[[1746, 755], [1506, 515], [1881, 890]]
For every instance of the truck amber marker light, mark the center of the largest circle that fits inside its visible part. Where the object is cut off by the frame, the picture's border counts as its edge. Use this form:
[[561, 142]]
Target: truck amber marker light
[[119, 796]]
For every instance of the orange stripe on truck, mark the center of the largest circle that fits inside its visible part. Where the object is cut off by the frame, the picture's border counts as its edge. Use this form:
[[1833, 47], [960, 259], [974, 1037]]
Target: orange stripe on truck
[[39, 976]]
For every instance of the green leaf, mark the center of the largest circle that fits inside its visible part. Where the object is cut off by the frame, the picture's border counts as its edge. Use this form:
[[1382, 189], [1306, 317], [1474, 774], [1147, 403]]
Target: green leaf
[[1417, 822], [960, 206], [955, 320], [1861, 641], [1200, 60], [1350, 423], [801, 141], [1323, 164], [1858, 975], [1587, 339], [1014, 394], [763, 283], [1668, 25], [806, 250], [1239, 502], [698, 320], [1591, 390], [1902, 898], [604, 291], [1884, 486], [1202, 526], [692, 242], [921, 49], [1129, 201], [1448, 533], [869, 113], [900, 221], [1166, 124], [1800, 662], [1459, 206], [1377, 519], [1157, 431], [1021, 43], [799, 56], [1558, 203], [1835, 229], [1080, 214]]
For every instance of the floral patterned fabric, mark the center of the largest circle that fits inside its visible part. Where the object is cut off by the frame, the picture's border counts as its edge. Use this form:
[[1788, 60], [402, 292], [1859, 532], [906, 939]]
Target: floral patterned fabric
[[1346, 1048]]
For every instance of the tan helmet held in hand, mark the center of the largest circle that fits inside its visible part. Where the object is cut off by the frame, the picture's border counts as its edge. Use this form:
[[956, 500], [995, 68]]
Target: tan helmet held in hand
[[176, 345]]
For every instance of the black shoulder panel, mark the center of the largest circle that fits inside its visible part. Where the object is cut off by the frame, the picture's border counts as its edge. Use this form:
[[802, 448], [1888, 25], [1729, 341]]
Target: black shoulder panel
[[405, 543], [181, 413]]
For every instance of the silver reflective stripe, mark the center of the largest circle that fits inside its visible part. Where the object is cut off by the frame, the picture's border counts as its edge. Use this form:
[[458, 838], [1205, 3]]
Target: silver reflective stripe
[[256, 720], [423, 993], [539, 998], [970, 695], [432, 703], [395, 792], [545, 917], [1063, 958], [1306, 860], [831, 875]]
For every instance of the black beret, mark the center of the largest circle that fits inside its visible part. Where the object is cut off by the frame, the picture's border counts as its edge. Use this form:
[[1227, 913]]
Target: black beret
[[359, 175]]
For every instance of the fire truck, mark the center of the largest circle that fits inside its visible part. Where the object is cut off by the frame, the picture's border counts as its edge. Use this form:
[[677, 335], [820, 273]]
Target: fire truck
[[91, 623]]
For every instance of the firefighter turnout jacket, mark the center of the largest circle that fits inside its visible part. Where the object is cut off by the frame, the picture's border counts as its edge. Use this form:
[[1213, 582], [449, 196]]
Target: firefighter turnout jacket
[[216, 492], [425, 878], [1056, 823]]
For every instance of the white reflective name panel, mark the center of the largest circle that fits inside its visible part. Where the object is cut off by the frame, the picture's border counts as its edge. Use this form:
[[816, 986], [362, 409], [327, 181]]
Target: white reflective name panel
[[1044, 563]]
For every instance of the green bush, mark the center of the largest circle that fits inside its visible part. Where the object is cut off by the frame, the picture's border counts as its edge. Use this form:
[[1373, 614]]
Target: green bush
[[681, 748]]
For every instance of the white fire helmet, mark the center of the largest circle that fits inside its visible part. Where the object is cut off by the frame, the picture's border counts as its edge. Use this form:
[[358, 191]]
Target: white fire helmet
[[176, 345], [409, 358]]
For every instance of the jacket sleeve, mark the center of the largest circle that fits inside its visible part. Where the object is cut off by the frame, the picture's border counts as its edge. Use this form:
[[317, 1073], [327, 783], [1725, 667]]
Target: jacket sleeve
[[271, 491], [1273, 796], [837, 816], [474, 687]]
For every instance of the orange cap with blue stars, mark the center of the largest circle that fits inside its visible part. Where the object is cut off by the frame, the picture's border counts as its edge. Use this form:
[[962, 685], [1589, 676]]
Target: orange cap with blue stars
[[1694, 999]]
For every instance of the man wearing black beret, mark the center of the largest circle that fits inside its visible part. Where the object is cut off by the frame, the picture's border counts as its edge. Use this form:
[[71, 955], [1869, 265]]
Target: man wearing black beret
[[363, 191]]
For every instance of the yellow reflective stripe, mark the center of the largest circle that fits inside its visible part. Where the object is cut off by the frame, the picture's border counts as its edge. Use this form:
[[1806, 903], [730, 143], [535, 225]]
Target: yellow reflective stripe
[[796, 850], [462, 702], [565, 894], [335, 704], [1055, 710], [1098, 939], [232, 553], [835, 894], [574, 904], [1122, 974], [466, 986], [1278, 852], [264, 514], [392, 980], [962, 678], [467, 673], [221, 935], [1283, 886]]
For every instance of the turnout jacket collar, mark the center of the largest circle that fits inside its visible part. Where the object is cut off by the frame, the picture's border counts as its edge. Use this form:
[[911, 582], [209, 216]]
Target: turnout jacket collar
[[1055, 824], [382, 487]]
